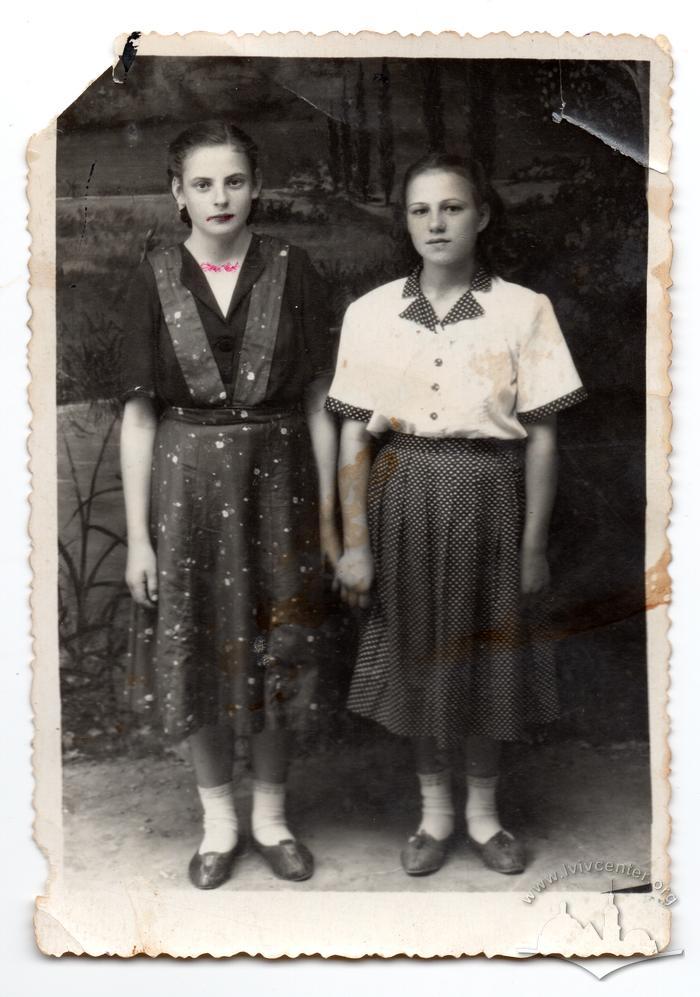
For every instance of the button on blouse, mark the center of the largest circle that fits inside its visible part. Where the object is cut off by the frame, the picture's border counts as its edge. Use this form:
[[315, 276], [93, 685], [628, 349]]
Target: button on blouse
[[504, 361]]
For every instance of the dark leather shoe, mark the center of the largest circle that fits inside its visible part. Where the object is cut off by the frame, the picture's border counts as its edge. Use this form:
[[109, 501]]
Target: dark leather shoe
[[288, 859], [423, 854], [211, 869], [502, 853]]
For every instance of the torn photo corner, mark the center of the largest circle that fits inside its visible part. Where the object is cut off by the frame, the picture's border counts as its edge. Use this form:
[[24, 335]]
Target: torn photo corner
[[227, 742]]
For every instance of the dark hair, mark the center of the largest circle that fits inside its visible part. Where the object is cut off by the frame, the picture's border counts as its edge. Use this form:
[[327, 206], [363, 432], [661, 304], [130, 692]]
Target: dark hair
[[217, 131], [484, 194]]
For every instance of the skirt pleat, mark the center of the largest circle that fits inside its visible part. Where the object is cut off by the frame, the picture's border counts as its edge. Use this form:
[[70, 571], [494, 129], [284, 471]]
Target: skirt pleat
[[236, 636], [447, 649]]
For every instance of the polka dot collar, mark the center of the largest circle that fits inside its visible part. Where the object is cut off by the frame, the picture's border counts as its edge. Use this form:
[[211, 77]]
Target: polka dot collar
[[420, 310]]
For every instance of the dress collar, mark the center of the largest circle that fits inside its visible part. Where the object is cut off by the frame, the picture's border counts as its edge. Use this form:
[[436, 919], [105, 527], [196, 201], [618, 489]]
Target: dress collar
[[420, 310], [195, 281]]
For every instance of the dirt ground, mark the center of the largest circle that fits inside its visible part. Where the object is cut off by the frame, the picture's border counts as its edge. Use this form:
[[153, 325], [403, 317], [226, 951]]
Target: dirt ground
[[137, 820]]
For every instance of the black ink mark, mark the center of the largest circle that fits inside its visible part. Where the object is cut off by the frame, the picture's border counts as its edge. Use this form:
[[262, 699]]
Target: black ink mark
[[85, 215], [127, 58]]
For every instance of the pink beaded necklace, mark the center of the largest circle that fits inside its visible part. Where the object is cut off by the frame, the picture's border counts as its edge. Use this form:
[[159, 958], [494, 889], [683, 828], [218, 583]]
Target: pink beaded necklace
[[227, 267]]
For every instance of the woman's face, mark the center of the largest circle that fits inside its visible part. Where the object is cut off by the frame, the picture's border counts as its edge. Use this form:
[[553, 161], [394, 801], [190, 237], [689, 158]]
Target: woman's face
[[217, 188], [443, 218]]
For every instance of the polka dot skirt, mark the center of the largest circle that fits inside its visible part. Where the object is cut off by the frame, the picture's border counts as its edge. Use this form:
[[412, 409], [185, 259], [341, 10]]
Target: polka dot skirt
[[446, 649]]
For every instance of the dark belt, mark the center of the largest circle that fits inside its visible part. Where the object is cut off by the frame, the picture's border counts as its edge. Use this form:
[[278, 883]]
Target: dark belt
[[229, 416]]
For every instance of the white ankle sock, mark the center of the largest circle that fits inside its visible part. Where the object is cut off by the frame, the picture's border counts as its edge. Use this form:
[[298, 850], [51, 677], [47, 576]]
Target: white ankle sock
[[220, 822], [438, 815], [481, 811], [268, 819]]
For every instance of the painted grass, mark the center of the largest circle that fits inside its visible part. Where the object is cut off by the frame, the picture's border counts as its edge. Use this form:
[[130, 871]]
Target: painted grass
[[100, 234]]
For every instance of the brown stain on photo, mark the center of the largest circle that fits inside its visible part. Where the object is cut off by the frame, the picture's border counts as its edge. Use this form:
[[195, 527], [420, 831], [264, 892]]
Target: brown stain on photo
[[658, 582], [386, 467], [352, 488]]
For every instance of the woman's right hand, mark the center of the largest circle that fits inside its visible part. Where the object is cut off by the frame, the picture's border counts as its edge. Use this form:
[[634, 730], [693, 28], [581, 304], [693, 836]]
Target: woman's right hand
[[354, 575], [331, 548], [142, 573]]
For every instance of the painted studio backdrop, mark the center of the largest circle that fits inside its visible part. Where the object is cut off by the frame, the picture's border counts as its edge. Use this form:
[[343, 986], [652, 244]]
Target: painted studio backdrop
[[335, 137]]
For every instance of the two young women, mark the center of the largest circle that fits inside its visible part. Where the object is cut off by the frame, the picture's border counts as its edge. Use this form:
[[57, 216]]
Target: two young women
[[229, 466]]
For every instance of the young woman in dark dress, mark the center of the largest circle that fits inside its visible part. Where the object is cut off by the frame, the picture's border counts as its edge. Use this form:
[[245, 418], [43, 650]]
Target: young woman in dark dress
[[228, 463]]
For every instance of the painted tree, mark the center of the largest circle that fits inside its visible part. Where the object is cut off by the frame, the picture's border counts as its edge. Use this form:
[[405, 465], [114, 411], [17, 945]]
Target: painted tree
[[346, 144], [387, 166], [479, 113], [433, 110], [363, 140], [335, 167]]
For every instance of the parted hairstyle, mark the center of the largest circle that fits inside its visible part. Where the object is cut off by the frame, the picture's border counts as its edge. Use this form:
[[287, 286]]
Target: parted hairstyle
[[216, 131], [484, 194]]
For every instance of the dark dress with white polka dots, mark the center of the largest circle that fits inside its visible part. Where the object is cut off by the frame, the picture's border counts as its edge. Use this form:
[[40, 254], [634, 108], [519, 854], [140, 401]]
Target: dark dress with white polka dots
[[447, 648], [237, 632]]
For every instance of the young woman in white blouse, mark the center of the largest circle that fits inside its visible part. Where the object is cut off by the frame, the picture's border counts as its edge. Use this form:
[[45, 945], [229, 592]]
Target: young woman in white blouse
[[461, 374]]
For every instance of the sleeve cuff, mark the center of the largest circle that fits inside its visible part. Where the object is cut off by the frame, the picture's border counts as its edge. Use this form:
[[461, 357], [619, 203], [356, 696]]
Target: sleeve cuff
[[348, 411], [566, 401]]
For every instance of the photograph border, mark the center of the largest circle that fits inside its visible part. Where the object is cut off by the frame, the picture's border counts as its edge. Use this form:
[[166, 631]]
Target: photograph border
[[426, 924]]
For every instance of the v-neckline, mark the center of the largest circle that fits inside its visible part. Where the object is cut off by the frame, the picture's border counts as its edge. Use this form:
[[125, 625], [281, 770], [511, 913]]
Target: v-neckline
[[201, 288]]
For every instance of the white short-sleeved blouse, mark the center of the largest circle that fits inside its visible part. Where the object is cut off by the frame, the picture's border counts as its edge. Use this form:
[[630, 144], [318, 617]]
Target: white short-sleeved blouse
[[497, 361]]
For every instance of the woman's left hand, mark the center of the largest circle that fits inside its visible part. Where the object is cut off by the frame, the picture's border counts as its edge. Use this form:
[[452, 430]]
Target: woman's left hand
[[354, 576], [534, 573]]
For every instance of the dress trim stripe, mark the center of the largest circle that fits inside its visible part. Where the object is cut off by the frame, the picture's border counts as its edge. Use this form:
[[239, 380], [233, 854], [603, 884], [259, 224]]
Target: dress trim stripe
[[558, 405], [199, 368]]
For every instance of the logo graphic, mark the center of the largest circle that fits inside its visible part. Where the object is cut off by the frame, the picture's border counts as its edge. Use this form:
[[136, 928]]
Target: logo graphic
[[563, 934]]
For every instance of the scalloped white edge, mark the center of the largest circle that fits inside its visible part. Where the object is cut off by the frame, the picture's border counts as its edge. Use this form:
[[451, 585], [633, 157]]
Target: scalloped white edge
[[186, 923]]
